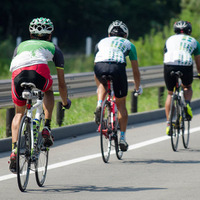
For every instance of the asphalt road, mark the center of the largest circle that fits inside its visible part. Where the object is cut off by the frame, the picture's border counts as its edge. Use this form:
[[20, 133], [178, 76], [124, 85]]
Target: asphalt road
[[149, 170]]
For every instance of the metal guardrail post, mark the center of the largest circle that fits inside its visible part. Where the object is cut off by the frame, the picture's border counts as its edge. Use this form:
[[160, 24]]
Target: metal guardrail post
[[134, 102], [10, 113], [161, 97], [59, 113]]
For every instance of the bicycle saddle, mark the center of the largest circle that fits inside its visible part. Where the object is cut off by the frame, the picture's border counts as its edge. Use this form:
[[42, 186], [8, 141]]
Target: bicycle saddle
[[178, 73], [106, 77], [28, 85], [26, 94]]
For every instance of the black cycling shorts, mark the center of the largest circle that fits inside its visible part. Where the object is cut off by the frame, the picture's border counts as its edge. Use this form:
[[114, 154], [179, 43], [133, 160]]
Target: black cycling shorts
[[170, 81], [118, 72]]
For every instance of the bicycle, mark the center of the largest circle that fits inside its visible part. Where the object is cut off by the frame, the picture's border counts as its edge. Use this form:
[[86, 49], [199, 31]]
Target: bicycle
[[179, 122], [109, 127], [30, 151]]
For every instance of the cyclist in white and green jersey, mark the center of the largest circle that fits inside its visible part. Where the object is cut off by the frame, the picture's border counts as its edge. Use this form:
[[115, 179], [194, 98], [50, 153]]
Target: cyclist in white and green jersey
[[110, 59], [30, 64], [178, 52]]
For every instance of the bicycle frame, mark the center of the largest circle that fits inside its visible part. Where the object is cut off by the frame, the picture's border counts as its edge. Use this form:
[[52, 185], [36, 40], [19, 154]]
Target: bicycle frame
[[29, 112], [111, 99]]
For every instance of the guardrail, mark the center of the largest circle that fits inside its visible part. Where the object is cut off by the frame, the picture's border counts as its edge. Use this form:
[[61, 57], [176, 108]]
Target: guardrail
[[83, 85]]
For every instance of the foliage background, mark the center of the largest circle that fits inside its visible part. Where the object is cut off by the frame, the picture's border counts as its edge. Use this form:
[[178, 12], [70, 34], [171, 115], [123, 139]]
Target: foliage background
[[150, 23]]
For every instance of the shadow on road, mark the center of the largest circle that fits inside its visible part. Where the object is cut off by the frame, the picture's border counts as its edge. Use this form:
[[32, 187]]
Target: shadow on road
[[92, 188]]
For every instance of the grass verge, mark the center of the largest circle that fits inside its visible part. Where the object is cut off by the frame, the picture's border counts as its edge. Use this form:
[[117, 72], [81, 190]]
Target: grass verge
[[82, 109]]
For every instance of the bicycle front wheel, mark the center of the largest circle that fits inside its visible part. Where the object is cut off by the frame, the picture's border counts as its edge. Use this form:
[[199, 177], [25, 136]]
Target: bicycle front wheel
[[24, 153], [105, 138], [42, 155], [175, 120]]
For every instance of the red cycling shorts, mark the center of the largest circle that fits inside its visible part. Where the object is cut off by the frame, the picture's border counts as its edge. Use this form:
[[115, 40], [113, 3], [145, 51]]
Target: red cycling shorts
[[38, 74]]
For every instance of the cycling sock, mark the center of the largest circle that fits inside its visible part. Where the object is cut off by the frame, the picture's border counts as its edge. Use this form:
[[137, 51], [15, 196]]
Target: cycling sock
[[14, 145], [48, 123], [99, 102], [187, 102], [122, 135]]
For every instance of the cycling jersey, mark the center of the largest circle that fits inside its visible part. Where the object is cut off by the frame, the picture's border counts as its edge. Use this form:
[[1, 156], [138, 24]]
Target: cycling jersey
[[33, 52], [114, 49], [179, 50]]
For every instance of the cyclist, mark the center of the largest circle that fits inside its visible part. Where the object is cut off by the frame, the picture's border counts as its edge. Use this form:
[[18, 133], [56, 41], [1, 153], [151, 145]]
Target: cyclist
[[110, 59], [178, 52], [29, 64]]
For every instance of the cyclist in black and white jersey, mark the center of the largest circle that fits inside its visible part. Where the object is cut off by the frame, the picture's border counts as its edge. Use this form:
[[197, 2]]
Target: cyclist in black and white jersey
[[178, 52], [110, 59]]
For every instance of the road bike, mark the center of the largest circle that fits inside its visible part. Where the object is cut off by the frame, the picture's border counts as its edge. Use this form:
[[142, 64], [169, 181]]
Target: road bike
[[31, 151], [179, 122], [109, 126]]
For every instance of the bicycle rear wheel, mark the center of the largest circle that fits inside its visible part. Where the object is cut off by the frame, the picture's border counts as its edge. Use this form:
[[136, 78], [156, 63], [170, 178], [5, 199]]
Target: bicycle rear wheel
[[105, 137], [175, 120], [42, 155], [24, 153], [186, 133]]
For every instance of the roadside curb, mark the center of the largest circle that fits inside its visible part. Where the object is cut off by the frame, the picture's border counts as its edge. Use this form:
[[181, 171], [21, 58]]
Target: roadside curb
[[90, 127]]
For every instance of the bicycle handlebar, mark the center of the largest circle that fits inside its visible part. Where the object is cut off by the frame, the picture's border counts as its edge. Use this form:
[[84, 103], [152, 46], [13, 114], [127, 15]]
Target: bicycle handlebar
[[196, 76]]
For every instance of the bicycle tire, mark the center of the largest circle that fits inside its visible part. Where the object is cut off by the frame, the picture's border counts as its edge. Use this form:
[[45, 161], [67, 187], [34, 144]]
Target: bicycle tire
[[42, 155], [105, 137], [174, 122], [118, 151], [24, 153], [186, 136]]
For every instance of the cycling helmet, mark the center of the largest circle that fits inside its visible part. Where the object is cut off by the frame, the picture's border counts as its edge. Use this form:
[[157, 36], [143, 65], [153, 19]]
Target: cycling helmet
[[41, 26], [118, 28], [183, 27]]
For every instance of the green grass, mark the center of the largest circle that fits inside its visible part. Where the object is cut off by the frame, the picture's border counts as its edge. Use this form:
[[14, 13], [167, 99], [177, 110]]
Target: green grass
[[82, 109]]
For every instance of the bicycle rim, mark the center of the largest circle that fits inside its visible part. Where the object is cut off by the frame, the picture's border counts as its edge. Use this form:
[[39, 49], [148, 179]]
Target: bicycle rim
[[23, 154], [105, 139], [186, 134], [41, 165], [41, 158], [174, 123]]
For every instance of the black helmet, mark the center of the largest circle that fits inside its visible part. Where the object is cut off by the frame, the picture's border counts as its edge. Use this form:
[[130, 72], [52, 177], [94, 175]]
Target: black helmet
[[118, 28], [183, 27]]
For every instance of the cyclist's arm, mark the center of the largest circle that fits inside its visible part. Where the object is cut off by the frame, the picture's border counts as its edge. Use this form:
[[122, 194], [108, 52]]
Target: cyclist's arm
[[59, 63], [197, 61], [134, 65], [197, 57], [62, 85], [136, 73]]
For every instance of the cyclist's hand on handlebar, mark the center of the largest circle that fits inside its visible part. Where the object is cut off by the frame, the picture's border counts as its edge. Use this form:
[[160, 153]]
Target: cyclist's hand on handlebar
[[68, 104], [139, 91]]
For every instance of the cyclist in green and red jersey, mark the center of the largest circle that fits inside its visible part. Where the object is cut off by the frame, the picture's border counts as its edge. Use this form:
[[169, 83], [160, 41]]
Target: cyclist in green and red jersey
[[178, 52], [110, 59], [30, 64]]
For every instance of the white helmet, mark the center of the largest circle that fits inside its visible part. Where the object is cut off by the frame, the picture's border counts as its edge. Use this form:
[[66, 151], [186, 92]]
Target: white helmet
[[118, 28], [41, 26]]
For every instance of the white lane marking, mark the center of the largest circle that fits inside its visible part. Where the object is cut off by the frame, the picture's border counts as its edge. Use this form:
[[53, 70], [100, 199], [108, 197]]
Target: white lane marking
[[89, 157]]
